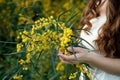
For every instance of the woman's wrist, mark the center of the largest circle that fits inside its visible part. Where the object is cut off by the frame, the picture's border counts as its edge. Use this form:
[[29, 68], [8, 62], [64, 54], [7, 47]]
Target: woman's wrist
[[89, 58]]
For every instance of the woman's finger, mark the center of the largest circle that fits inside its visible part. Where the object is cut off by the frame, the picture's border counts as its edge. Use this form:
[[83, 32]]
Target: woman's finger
[[66, 62], [67, 58], [76, 49], [63, 61], [59, 52]]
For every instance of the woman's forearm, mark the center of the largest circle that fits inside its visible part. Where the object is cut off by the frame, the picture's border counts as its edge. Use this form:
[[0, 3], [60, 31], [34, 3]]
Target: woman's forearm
[[109, 65]]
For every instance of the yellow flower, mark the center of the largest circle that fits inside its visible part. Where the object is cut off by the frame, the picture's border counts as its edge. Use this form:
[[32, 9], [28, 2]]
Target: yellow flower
[[37, 38], [60, 67], [84, 70], [21, 61], [62, 49], [68, 32], [65, 39], [25, 68], [17, 77], [27, 58], [25, 38], [63, 77], [30, 48], [62, 26], [22, 20], [72, 76], [67, 53], [66, 5], [19, 46], [18, 37]]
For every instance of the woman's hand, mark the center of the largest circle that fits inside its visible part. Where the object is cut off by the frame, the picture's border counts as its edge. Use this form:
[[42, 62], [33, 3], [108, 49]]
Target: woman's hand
[[110, 65], [71, 59]]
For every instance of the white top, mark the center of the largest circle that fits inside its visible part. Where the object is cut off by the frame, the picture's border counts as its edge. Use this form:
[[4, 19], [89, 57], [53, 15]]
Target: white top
[[97, 74]]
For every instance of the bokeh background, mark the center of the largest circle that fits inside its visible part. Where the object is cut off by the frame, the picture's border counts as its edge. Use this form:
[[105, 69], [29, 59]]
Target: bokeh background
[[19, 14]]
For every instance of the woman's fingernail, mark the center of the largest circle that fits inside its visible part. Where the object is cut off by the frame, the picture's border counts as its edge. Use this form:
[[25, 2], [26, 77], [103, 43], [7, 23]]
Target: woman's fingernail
[[59, 54], [69, 48]]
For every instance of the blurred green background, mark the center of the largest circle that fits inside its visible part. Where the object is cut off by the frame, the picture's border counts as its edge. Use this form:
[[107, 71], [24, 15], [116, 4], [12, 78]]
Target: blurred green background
[[19, 14]]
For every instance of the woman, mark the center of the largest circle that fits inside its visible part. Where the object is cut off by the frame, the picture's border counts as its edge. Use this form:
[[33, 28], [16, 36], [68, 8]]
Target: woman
[[102, 19]]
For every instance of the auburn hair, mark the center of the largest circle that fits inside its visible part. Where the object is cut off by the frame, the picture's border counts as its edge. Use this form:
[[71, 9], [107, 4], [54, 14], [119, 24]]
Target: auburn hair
[[108, 40]]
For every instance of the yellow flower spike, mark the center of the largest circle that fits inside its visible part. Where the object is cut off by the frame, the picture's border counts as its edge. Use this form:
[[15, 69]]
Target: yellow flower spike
[[62, 77], [18, 37], [21, 61], [32, 32], [46, 20], [68, 31], [54, 21], [19, 46], [62, 26], [37, 38], [24, 36], [46, 24], [48, 31], [72, 76], [20, 14], [25, 68], [42, 19], [84, 70], [20, 33], [29, 48], [62, 49], [55, 24], [51, 17], [28, 56], [25, 32], [17, 77], [67, 53], [60, 67], [62, 45]]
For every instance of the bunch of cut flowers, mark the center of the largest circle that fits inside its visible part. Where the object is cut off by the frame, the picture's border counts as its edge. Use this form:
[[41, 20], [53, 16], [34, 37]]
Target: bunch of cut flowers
[[38, 47]]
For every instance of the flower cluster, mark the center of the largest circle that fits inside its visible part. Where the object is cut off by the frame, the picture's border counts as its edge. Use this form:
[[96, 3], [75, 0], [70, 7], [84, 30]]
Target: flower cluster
[[45, 37], [17, 77], [42, 41]]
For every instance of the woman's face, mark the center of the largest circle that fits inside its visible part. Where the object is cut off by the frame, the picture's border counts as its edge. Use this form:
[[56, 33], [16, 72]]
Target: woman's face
[[103, 7]]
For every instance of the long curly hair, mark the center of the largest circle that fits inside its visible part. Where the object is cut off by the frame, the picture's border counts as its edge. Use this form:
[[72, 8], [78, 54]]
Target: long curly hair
[[108, 40]]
